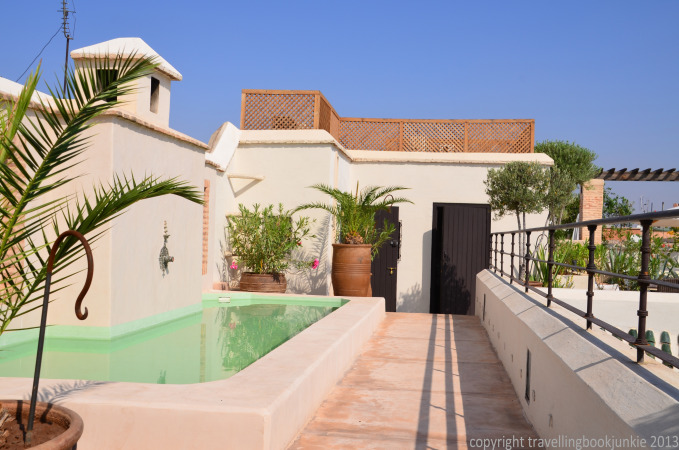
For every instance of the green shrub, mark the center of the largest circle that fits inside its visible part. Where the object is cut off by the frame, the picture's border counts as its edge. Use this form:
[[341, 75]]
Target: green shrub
[[263, 239]]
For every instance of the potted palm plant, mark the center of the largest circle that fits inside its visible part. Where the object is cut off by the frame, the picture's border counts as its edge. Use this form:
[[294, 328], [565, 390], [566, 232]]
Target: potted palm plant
[[358, 238], [263, 240], [36, 159]]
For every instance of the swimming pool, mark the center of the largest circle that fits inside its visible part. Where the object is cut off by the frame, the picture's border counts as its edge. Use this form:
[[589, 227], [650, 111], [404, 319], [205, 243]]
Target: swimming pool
[[262, 406], [211, 341]]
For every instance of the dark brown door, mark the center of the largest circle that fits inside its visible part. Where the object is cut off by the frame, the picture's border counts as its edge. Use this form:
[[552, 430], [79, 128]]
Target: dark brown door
[[384, 266], [460, 250]]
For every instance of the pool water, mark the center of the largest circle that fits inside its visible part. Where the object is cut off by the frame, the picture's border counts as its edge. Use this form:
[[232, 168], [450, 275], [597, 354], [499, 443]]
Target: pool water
[[210, 344]]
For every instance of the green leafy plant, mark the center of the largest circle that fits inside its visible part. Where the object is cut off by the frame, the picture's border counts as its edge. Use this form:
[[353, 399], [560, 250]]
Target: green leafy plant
[[540, 270], [264, 239], [517, 188], [354, 213]]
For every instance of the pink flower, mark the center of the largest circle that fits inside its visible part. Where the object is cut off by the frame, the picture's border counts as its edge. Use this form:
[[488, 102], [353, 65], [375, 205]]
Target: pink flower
[[299, 243], [234, 265], [232, 325], [314, 265]]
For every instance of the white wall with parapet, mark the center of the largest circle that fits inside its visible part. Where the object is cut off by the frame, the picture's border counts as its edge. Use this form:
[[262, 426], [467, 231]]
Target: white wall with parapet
[[128, 283], [432, 178], [581, 383]]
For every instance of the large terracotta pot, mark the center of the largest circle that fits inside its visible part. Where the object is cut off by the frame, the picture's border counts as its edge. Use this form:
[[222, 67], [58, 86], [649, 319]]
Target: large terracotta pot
[[69, 420], [263, 282], [351, 269]]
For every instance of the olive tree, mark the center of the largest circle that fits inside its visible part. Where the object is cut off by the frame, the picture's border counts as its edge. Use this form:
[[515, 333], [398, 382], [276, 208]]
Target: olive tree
[[573, 166], [518, 188]]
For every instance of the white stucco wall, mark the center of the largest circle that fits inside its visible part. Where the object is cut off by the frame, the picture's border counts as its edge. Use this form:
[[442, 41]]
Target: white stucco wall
[[288, 166], [128, 283], [139, 288], [221, 200], [95, 166]]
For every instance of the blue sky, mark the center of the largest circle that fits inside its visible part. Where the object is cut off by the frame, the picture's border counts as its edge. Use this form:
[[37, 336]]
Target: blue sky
[[604, 74]]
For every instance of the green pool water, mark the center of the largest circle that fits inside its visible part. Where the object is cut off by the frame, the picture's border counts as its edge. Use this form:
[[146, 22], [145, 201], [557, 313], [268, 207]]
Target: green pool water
[[208, 342]]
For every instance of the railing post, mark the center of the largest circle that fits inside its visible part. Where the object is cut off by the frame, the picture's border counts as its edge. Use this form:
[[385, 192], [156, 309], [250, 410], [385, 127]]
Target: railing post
[[502, 254], [490, 253], [642, 312], [590, 279], [527, 259], [550, 268], [511, 268], [495, 264]]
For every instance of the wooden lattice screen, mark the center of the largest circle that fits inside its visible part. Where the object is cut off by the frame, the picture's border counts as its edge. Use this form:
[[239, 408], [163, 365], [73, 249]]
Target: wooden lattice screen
[[278, 110]]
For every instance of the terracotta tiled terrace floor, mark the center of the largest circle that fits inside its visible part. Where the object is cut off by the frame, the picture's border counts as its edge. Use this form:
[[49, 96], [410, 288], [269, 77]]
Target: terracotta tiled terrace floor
[[422, 381]]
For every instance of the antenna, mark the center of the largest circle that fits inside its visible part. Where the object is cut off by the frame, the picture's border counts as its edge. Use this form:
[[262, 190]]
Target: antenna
[[68, 34]]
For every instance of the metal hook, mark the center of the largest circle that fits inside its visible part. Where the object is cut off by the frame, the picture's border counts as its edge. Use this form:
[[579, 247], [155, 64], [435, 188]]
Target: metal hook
[[43, 319], [90, 270]]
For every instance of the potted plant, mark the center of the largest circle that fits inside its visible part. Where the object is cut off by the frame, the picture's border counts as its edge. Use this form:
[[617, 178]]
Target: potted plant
[[358, 238], [263, 240], [37, 156]]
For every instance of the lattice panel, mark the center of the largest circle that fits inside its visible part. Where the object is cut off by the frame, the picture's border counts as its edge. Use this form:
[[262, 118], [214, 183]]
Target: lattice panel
[[335, 125], [325, 114], [369, 135], [278, 111], [440, 137], [499, 137]]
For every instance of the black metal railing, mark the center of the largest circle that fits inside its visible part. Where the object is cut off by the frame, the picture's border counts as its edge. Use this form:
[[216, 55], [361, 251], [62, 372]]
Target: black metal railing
[[643, 279]]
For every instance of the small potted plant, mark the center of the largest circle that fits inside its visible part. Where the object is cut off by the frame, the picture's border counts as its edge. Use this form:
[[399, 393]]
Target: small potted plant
[[358, 238], [263, 240]]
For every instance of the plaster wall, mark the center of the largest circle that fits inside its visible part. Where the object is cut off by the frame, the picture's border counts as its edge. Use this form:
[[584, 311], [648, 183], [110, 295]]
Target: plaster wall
[[138, 102], [139, 288], [94, 167], [579, 386], [287, 168], [141, 102], [221, 200]]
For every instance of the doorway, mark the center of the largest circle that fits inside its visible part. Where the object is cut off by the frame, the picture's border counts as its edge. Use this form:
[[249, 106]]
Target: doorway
[[460, 250], [384, 267]]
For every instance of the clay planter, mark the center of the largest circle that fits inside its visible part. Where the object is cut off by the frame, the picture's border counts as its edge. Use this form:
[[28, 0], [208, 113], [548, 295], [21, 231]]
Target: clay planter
[[49, 419], [351, 269], [263, 282]]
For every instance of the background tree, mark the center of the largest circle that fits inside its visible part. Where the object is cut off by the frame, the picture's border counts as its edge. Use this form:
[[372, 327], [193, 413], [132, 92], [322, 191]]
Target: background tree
[[615, 205], [518, 188], [573, 166]]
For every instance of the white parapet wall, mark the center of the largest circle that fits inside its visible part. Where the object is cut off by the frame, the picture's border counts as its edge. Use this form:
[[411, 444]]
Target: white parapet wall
[[579, 387]]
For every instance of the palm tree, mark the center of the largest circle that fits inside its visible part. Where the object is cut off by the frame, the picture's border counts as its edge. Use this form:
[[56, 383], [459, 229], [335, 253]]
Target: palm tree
[[354, 213], [37, 156]]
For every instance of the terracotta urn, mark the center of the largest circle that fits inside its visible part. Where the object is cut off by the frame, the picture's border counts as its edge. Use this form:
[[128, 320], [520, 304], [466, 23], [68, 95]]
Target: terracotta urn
[[351, 269]]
